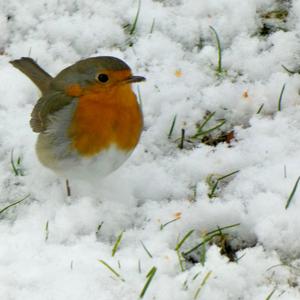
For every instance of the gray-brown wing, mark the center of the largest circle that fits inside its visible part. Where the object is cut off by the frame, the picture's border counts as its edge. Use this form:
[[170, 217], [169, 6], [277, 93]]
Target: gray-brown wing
[[45, 107]]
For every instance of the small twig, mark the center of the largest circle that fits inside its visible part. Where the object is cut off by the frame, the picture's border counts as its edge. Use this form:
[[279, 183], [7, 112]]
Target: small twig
[[182, 138], [68, 188]]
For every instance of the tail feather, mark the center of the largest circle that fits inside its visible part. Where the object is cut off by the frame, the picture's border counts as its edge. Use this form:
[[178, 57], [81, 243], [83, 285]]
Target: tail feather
[[37, 75]]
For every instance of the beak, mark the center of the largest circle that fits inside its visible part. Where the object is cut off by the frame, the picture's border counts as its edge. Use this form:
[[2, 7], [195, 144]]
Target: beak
[[133, 79]]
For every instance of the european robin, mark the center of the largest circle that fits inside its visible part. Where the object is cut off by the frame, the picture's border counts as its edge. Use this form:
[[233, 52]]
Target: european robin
[[88, 119]]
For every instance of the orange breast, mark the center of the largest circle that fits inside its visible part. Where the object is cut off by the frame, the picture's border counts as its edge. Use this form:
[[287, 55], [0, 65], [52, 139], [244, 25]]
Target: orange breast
[[103, 118]]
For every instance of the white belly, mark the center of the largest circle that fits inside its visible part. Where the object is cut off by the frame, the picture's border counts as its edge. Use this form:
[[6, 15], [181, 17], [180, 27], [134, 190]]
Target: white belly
[[92, 168]]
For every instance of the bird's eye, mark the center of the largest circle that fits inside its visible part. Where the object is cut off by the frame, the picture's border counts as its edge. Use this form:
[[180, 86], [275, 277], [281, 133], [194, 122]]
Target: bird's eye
[[102, 78]]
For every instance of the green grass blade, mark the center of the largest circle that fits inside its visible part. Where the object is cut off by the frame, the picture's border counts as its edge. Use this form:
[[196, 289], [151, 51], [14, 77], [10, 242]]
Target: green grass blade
[[152, 26], [133, 27], [147, 251], [172, 127], [211, 194], [207, 239], [182, 138], [203, 255], [13, 163], [212, 129], [206, 120], [209, 236], [181, 260], [162, 226], [47, 231], [179, 245], [288, 70], [203, 282], [223, 228], [117, 243], [280, 98], [271, 294], [219, 69], [260, 109], [292, 193], [13, 204], [110, 269], [149, 277]]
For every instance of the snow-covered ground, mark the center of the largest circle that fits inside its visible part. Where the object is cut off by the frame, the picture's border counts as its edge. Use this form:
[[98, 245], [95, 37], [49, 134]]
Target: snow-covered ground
[[52, 247]]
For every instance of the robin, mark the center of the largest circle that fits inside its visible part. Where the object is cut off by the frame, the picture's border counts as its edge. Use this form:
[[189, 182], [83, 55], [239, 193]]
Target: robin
[[88, 120]]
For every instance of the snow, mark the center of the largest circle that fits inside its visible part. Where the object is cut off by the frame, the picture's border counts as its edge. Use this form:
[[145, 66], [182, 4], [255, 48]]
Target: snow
[[51, 244]]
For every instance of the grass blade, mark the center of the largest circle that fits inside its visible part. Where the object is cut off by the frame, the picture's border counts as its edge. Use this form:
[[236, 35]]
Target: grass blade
[[206, 121], [172, 127], [111, 269], [149, 277], [181, 260], [203, 282], [211, 194], [222, 228], [288, 70], [280, 98], [260, 109], [212, 129], [99, 227], [209, 236], [162, 226], [117, 243], [219, 69], [47, 231], [271, 294], [133, 27], [182, 138], [292, 193], [152, 26], [178, 246], [147, 251], [13, 204]]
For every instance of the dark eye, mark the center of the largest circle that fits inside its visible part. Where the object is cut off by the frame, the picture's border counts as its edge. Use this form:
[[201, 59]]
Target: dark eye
[[102, 78]]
